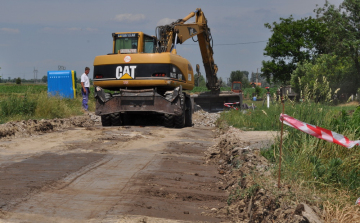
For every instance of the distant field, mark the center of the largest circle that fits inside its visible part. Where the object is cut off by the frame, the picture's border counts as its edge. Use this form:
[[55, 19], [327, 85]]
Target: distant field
[[22, 88], [31, 89]]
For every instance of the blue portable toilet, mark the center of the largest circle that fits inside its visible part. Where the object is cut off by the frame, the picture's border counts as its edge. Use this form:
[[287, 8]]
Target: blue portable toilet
[[62, 83]]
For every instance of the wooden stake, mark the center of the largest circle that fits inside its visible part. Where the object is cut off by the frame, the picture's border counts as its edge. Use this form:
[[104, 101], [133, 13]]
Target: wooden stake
[[281, 139]]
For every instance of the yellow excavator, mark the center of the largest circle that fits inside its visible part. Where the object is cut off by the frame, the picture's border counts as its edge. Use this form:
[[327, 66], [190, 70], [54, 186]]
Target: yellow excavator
[[144, 75]]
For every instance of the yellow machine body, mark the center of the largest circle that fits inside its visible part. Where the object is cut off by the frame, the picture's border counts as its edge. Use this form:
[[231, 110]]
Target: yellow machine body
[[136, 68], [144, 75]]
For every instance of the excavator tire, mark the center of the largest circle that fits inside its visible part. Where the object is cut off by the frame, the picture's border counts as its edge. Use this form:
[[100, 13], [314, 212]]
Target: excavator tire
[[115, 119], [126, 118], [105, 120], [168, 121], [179, 120], [188, 113]]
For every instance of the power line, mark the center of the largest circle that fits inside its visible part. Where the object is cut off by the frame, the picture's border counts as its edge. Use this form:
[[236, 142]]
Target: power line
[[239, 43], [231, 44]]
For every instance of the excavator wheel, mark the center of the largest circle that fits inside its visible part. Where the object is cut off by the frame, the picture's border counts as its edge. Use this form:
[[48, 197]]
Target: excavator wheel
[[126, 119], [105, 120], [188, 112], [115, 119], [179, 120], [168, 121]]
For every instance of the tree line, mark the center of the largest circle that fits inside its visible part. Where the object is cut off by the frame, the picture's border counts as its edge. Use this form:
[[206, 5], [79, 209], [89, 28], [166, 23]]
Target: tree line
[[312, 51], [238, 75]]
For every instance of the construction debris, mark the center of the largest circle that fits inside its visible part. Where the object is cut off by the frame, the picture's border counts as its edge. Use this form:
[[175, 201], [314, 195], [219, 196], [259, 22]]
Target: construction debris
[[203, 118]]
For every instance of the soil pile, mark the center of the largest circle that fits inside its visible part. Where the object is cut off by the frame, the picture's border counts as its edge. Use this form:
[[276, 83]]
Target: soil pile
[[203, 118], [33, 127], [254, 195]]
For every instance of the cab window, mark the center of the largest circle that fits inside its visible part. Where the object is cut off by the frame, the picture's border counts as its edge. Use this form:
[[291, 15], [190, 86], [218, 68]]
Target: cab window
[[237, 86], [126, 43], [149, 44]]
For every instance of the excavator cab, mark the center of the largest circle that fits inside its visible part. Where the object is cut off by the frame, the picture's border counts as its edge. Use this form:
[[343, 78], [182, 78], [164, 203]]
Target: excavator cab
[[236, 87], [131, 43]]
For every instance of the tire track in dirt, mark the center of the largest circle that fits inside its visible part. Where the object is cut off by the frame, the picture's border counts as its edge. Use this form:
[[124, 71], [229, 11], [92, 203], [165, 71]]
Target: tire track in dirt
[[177, 185], [151, 172]]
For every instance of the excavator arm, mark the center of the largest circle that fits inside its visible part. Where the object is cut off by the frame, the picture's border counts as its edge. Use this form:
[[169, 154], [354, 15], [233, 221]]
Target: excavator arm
[[178, 32]]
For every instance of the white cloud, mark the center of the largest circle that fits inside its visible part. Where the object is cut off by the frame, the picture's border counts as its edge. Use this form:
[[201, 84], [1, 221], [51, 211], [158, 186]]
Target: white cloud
[[9, 30], [72, 29], [91, 29], [165, 21], [76, 29], [48, 29], [129, 17]]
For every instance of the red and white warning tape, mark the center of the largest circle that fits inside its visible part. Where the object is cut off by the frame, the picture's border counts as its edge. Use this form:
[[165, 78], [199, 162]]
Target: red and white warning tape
[[319, 132], [230, 105]]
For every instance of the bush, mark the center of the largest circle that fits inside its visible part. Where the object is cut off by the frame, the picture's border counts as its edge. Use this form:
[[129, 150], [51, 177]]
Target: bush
[[15, 105], [258, 91], [18, 80]]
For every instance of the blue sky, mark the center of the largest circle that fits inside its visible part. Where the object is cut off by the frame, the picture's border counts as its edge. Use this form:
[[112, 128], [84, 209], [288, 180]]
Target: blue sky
[[43, 34]]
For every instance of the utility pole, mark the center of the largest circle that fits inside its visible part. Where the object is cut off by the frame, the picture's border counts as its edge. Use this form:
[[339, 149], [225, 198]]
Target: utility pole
[[35, 74], [257, 70]]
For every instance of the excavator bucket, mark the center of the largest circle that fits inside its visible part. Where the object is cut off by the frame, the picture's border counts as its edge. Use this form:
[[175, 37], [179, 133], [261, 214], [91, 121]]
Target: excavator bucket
[[215, 102]]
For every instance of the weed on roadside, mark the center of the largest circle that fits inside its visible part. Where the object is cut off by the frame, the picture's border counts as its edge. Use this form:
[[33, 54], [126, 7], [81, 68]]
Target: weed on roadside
[[39, 106], [316, 164]]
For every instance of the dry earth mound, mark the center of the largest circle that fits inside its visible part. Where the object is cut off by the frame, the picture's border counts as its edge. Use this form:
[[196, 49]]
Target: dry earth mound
[[32, 127], [254, 196], [203, 118]]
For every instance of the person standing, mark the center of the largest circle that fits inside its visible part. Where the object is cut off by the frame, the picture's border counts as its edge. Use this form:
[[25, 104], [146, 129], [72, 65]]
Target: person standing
[[85, 88]]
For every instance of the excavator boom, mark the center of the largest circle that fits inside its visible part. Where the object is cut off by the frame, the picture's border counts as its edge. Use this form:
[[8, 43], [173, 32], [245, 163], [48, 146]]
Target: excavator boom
[[178, 32]]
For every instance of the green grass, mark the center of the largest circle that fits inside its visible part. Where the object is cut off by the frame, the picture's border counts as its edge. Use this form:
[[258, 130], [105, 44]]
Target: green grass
[[307, 159], [21, 102], [204, 89], [6, 89], [248, 92]]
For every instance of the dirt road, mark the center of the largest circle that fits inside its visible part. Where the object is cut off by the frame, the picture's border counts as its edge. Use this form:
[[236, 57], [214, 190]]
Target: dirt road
[[114, 174]]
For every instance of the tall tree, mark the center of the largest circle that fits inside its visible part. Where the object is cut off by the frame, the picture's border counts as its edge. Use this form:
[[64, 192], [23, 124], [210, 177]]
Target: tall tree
[[343, 23], [44, 79], [336, 70], [292, 41], [240, 76], [199, 80]]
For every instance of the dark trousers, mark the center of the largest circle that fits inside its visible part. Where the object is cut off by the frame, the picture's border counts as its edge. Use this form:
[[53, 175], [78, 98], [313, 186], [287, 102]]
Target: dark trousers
[[85, 96]]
